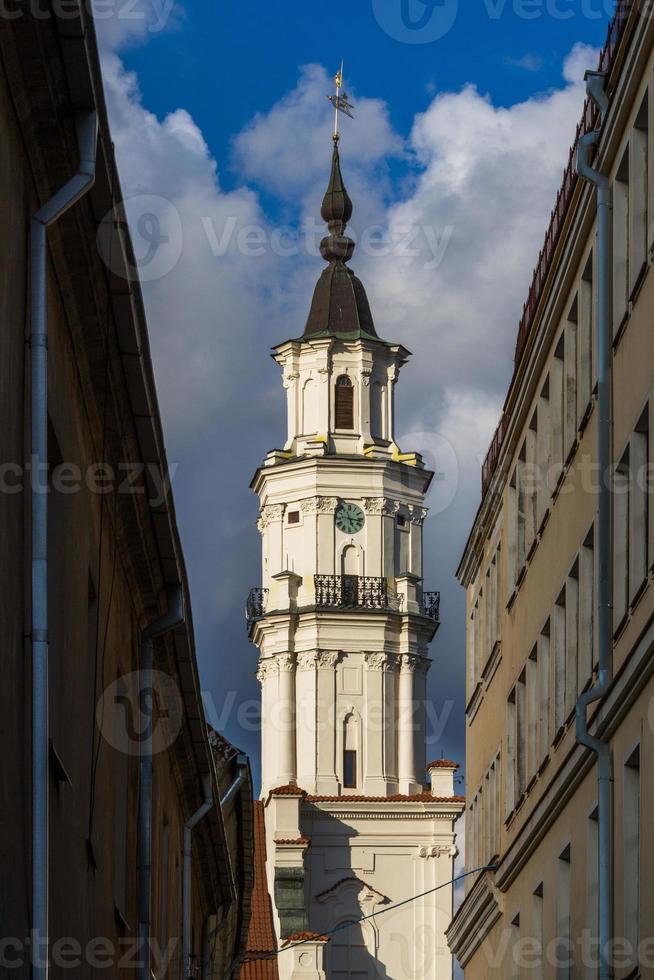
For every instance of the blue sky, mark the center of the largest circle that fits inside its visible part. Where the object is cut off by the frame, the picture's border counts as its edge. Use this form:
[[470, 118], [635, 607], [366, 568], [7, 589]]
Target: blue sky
[[221, 125], [226, 62]]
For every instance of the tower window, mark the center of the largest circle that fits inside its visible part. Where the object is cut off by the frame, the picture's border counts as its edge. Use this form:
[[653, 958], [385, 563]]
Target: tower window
[[293, 517], [349, 768], [401, 520], [344, 403]]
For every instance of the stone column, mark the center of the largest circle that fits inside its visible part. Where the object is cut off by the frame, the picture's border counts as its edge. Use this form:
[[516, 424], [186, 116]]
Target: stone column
[[408, 725], [286, 718], [267, 675], [326, 779]]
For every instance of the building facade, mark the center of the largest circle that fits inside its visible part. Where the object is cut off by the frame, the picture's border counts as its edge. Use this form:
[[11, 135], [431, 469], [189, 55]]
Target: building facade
[[532, 570], [343, 627], [107, 883]]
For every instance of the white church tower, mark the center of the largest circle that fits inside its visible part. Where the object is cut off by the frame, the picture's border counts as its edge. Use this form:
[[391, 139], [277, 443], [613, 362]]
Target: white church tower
[[343, 628]]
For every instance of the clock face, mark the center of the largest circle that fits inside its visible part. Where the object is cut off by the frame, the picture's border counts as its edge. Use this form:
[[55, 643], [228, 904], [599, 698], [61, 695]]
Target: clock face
[[349, 518]]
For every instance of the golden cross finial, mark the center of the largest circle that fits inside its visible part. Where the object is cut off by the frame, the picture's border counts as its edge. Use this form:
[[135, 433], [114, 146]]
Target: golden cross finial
[[340, 102]]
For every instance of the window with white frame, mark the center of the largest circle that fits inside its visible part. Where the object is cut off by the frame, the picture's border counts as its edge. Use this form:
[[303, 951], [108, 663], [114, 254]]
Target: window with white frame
[[531, 480], [543, 452], [638, 206], [621, 540], [564, 952], [558, 625], [621, 242], [631, 856], [586, 642], [510, 768], [585, 370], [533, 709], [592, 885], [570, 380], [556, 413], [537, 971], [638, 509], [631, 519], [544, 693], [571, 637]]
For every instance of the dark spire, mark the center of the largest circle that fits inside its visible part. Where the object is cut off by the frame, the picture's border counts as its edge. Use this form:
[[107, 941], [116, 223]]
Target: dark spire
[[339, 305]]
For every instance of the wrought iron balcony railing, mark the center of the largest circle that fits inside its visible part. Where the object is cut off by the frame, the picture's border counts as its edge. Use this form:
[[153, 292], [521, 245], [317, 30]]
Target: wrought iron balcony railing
[[255, 605], [352, 591], [431, 605]]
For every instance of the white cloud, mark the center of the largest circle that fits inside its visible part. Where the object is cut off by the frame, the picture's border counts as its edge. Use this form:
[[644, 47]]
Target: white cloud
[[481, 181]]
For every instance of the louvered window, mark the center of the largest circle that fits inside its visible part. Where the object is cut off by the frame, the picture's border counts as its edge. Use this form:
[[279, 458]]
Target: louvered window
[[344, 403]]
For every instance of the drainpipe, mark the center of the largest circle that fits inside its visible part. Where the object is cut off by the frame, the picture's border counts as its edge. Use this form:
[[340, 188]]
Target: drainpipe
[[242, 768], [186, 899], [595, 87], [65, 198], [173, 617]]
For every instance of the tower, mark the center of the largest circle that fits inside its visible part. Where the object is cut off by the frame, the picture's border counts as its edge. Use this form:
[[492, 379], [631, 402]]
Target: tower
[[343, 628]]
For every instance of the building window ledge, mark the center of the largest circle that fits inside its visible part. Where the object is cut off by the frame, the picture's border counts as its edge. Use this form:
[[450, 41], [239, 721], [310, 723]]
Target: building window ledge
[[640, 591], [491, 665], [586, 417], [622, 327], [638, 285], [543, 522]]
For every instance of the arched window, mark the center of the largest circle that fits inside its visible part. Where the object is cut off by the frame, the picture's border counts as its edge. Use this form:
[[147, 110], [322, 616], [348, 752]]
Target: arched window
[[344, 403]]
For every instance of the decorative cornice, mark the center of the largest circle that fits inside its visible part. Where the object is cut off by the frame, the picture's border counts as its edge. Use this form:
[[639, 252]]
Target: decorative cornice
[[272, 512], [289, 378], [380, 661], [319, 505], [266, 669], [327, 659], [285, 661], [376, 506], [438, 850]]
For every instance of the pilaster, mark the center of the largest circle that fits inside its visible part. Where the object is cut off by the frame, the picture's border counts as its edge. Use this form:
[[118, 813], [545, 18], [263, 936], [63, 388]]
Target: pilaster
[[326, 778]]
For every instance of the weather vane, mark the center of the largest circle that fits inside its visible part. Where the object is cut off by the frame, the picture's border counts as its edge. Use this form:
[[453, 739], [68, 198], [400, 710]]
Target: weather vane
[[340, 102]]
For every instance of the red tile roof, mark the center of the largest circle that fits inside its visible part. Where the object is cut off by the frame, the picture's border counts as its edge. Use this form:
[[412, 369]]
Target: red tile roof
[[290, 790], [258, 963], [306, 937], [442, 764], [425, 797]]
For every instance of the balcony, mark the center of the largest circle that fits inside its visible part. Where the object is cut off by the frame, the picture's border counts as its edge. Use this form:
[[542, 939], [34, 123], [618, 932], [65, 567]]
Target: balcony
[[353, 592], [255, 606], [430, 606], [350, 592]]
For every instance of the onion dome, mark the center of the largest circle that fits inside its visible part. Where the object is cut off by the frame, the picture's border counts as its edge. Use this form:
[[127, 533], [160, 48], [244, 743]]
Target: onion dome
[[339, 306]]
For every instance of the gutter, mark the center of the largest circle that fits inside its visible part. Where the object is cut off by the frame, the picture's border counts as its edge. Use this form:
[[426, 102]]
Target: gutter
[[595, 82], [173, 617], [186, 879], [62, 201]]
